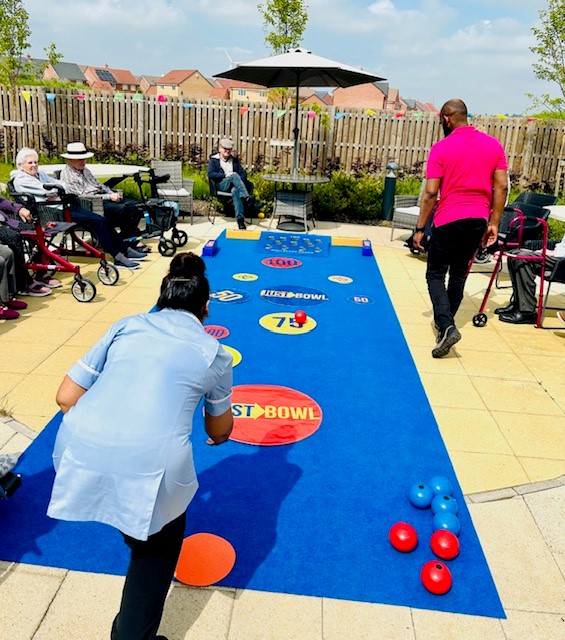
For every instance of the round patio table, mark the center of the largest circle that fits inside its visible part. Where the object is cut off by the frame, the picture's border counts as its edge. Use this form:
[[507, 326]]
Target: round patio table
[[293, 200]]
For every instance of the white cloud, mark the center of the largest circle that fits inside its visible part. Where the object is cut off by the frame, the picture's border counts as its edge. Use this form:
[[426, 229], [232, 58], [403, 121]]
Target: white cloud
[[109, 14]]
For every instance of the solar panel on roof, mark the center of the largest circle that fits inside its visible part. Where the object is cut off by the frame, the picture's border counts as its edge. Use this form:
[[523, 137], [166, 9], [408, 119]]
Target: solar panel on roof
[[105, 75]]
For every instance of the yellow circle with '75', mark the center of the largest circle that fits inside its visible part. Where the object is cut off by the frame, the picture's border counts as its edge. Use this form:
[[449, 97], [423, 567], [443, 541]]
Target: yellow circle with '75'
[[235, 354], [245, 276], [284, 322]]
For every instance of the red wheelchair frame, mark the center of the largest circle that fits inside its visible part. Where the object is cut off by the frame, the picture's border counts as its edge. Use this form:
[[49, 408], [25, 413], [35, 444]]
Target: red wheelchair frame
[[49, 221]]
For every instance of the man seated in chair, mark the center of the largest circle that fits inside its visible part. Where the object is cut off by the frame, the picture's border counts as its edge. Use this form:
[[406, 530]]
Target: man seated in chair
[[522, 306], [120, 212], [226, 171]]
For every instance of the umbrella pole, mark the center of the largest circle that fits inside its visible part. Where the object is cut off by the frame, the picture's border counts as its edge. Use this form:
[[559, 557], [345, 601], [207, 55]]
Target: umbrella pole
[[296, 131]]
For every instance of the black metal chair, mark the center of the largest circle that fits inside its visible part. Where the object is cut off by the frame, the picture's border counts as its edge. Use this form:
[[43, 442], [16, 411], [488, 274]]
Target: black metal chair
[[226, 200]]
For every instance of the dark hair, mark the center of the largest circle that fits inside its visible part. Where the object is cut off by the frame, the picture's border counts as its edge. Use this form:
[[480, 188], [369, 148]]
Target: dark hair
[[185, 287]]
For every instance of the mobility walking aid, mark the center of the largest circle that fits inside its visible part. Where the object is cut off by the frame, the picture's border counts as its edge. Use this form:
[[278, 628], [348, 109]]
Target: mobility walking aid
[[52, 235], [517, 226], [161, 215]]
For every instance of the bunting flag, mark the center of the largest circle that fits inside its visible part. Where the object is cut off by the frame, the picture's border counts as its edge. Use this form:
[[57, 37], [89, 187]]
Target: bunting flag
[[187, 105], [399, 115], [50, 97], [280, 112], [118, 96], [26, 95], [161, 98], [243, 110], [311, 114], [81, 96], [530, 119], [501, 116], [369, 112], [338, 116], [137, 96]]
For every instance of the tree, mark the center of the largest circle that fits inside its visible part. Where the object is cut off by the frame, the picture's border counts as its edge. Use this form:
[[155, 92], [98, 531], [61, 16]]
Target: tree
[[14, 40], [53, 56], [550, 50], [284, 22]]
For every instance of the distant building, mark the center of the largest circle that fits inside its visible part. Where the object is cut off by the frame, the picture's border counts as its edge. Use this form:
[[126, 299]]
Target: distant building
[[105, 78], [363, 96], [242, 91], [321, 98], [184, 83], [148, 84], [65, 71]]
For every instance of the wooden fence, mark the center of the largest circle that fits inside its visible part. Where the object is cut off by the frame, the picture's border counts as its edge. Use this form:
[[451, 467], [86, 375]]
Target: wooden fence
[[54, 117]]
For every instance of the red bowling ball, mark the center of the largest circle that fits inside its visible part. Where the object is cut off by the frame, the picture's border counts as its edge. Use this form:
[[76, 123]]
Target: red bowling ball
[[403, 537], [436, 577], [300, 317], [444, 544]]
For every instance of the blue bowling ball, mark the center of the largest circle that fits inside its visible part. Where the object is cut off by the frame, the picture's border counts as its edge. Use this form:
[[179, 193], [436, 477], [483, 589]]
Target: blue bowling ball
[[444, 503], [441, 485], [420, 495], [447, 520]]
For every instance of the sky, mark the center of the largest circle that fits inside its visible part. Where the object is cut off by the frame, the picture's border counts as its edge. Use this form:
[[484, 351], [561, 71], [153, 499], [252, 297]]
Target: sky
[[431, 50]]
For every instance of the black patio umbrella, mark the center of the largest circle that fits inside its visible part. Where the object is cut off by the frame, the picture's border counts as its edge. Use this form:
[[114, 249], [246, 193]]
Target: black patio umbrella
[[298, 68]]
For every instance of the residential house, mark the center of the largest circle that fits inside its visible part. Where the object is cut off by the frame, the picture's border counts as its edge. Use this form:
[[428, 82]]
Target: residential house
[[184, 83], [105, 78], [363, 96], [321, 98], [242, 91], [66, 71], [148, 84]]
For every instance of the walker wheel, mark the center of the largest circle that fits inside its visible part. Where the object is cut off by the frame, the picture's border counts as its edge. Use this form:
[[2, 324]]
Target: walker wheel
[[480, 319], [167, 247], [108, 274], [83, 290], [179, 238]]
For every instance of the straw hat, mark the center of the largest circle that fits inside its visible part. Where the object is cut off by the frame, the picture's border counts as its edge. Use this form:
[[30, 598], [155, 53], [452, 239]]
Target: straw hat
[[77, 151]]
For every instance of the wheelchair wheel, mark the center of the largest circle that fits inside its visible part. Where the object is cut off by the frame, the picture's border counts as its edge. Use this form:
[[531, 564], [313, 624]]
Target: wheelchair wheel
[[108, 274], [166, 247], [480, 319], [83, 290], [180, 238]]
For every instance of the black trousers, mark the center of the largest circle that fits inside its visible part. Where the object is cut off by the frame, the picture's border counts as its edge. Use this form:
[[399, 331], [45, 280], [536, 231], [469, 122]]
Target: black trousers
[[451, 248], [106, 235], [11, 238], [125, 215], [151, 569], [523, 276]]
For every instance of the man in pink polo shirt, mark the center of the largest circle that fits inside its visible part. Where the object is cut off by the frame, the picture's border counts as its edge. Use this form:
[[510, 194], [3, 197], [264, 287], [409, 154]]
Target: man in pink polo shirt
[[467, 178]]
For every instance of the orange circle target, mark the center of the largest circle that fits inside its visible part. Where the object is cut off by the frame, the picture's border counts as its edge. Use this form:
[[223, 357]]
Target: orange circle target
[[271, 415], [204, 560]]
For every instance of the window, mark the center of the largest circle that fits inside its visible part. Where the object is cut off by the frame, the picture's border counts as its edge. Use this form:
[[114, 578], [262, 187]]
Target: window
[[262, 94], [241, 92]]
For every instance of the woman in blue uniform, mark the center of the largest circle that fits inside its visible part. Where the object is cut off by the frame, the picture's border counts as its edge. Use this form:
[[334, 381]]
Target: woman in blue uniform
[[123, 454]]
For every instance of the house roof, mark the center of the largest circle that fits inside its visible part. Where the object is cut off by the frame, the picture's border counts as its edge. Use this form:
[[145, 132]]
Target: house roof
[[149, 79], [176, 76], [237, 84], [69, 71], [383, 86], [112, 76]]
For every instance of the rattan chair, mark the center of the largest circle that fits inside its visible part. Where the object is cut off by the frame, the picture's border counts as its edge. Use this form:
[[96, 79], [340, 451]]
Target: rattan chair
[[177, 188], [406, 211]]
